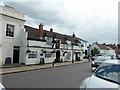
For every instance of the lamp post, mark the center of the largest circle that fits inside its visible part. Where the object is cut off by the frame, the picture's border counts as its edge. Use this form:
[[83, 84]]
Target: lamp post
[[72, 53]]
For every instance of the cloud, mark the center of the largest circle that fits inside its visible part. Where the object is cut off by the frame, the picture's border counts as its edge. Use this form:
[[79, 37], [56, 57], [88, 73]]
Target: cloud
[[91, 20]]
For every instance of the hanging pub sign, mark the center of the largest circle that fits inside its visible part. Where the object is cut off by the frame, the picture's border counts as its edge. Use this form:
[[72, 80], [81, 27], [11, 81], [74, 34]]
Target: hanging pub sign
[[53, 51]]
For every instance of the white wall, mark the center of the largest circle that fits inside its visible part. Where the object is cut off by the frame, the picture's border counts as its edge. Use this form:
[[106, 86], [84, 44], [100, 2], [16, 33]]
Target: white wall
[[1, 55], [37, 60], [10, 16], [0, 29], [7, 51], [76, 47], [36, 43]]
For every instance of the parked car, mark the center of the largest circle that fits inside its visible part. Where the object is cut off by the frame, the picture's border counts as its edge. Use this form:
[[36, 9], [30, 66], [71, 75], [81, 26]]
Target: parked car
[[95, 63], [105, 76], [2, 87], [117, 56], [94, 57]]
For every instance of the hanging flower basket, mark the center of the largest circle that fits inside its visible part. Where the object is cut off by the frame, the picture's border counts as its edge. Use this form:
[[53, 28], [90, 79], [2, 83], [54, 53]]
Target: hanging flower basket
[[44, 51], [53, 51], [28, 51]]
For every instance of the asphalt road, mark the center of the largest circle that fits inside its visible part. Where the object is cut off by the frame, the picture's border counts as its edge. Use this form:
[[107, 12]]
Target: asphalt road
[[57, 77]]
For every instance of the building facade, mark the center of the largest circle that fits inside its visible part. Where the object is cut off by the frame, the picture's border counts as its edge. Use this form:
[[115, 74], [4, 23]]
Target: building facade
[[24, 44], [11, 39], [45, 46]]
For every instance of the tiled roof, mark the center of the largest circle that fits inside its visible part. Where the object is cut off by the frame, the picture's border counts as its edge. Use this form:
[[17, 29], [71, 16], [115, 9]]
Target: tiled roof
[[101, 46], [33, 33], [112, 46]]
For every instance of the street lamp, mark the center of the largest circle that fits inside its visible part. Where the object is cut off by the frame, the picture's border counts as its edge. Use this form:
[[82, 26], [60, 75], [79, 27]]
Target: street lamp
[[72, 53]]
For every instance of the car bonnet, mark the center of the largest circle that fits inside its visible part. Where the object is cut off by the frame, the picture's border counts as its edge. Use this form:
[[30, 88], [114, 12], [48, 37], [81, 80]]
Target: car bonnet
[[96, 82]]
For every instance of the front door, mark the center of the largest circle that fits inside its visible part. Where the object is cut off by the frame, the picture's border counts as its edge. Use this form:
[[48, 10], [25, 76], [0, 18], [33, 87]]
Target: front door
[[16, 52], [58, 56], [76, 56]]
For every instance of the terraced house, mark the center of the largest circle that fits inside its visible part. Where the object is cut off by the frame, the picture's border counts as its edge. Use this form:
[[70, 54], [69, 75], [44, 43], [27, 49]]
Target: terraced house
[[24, 44]]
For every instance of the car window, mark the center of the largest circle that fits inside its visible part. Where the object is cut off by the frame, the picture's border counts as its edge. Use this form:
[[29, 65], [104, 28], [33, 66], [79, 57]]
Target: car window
[[109, 72]]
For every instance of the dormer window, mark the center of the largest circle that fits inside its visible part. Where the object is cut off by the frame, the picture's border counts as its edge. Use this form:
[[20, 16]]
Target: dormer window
[[10, 30]]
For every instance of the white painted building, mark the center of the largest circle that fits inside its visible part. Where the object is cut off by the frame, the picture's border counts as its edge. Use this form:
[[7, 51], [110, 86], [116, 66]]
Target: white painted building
[[11, 35], [27, 45], [105, 50], [51, 46]]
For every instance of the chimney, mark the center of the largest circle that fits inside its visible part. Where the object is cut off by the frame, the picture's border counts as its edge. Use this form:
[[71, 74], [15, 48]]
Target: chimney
[[51, 29], [73, 35], [41, 31]]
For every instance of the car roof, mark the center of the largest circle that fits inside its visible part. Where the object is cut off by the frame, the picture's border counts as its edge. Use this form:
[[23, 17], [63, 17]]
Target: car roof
[[112, 61], [101, 57]]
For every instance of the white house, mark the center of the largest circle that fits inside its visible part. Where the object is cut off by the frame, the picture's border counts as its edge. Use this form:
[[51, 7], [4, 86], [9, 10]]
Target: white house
[[106, 50], [11, 35]]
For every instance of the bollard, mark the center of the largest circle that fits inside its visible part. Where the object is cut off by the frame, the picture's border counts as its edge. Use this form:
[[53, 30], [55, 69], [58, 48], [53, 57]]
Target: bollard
[[53, 63]]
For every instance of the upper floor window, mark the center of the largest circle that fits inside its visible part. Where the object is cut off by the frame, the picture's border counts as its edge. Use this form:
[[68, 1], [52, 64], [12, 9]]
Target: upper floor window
[[10, 30], [48, 41]]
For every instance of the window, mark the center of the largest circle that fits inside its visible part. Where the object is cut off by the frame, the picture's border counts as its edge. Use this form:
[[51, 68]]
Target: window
[[68, 55], [48, 55], [33, 54], [10, 30], [48, 41]]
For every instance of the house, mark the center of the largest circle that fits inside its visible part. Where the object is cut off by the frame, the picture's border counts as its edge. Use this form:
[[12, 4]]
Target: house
[[24, 44], [45, 46], [103, 48], [11, 35]]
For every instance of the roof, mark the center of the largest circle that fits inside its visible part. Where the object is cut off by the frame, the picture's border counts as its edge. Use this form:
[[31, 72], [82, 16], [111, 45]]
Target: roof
[[33, 33], [113, 46], [117, 50], [101, 46]]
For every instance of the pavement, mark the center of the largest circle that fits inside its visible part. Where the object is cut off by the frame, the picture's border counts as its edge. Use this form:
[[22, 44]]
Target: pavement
[[17, 68]]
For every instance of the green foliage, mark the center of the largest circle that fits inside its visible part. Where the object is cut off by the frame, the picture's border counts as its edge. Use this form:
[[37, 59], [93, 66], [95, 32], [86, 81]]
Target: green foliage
[[95, 51]]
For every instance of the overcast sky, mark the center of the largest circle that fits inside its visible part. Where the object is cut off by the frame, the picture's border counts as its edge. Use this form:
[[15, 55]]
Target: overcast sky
[[91, 20]]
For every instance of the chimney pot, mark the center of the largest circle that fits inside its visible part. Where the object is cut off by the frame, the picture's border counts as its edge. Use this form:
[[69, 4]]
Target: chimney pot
[[51, 29], [41, 31]]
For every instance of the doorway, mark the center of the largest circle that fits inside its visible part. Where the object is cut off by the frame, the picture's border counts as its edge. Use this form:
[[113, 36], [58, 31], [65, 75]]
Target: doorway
[[57, 56], [76, 56], [16, 52]]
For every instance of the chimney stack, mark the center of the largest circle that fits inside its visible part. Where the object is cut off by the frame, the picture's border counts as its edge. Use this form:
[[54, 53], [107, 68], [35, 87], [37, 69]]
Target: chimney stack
[[41, 31], [73, 35], [51, 29]]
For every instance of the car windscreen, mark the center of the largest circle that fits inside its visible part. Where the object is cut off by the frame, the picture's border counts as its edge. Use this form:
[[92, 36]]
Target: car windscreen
[[109, 72]]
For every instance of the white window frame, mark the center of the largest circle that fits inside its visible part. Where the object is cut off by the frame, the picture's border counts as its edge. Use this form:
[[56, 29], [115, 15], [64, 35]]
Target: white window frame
[[10, 30], [33, 54]]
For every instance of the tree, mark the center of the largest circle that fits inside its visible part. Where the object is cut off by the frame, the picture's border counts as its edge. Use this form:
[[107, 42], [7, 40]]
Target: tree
[[95, 51]]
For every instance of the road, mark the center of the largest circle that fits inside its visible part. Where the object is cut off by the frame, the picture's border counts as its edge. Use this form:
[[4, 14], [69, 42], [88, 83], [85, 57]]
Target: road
[[57, 77]]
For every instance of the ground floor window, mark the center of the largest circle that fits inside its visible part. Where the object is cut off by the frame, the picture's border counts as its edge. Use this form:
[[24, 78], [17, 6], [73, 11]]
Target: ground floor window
[[48, 55], [68, 55], [33, 54]]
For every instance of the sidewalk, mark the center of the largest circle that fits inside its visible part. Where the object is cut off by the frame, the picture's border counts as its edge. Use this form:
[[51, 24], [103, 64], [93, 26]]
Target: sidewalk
[[22, 68]]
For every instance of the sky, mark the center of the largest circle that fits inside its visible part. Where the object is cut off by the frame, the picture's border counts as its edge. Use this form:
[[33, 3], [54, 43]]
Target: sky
[[90, 20]]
